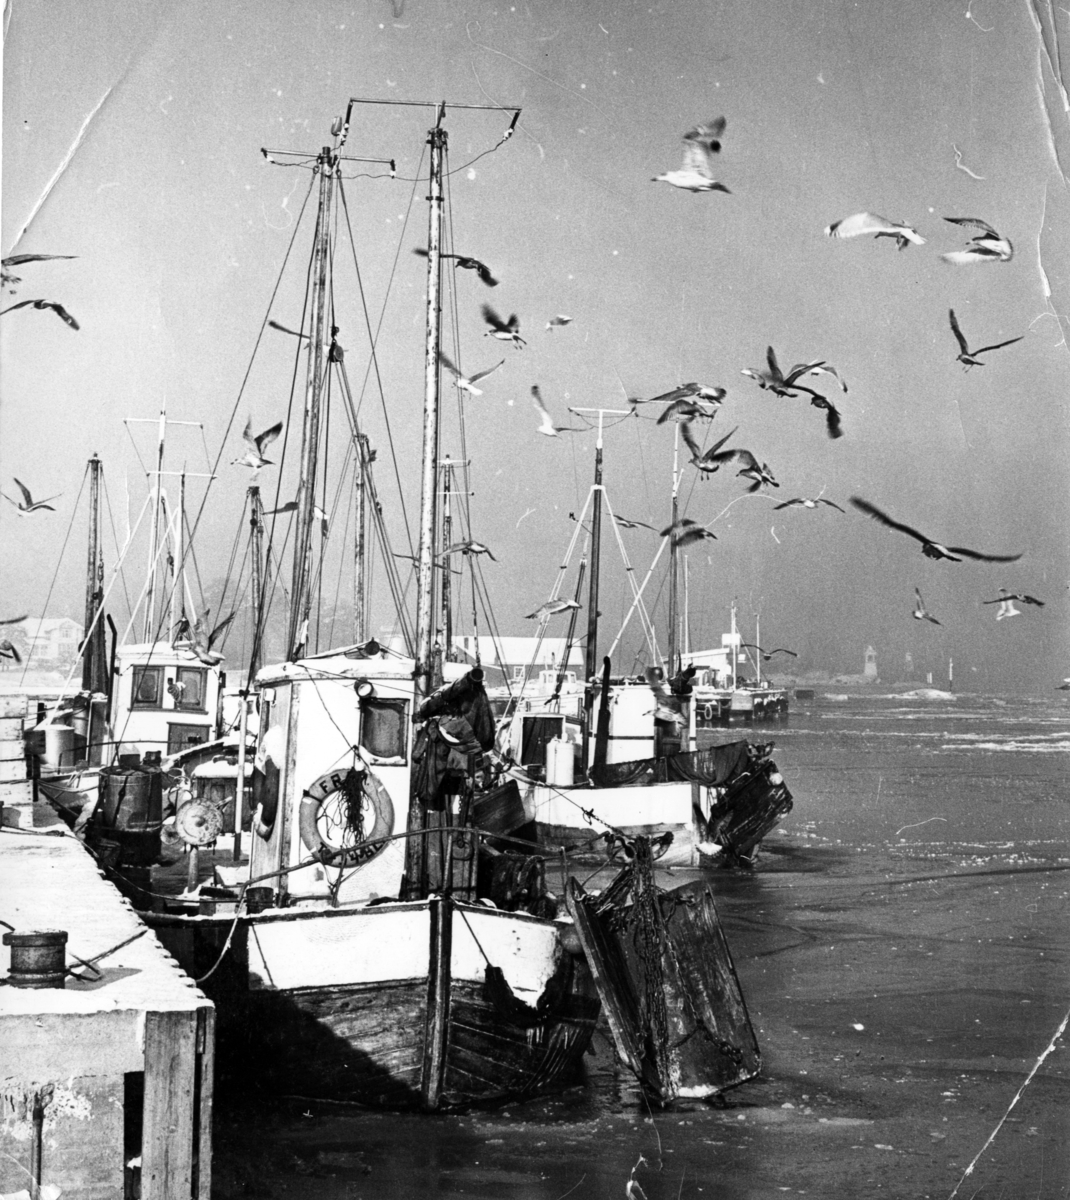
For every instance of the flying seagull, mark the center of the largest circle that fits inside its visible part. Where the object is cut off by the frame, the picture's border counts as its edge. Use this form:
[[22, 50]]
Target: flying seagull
[[689, 410], [968, 357], [767, 654], [686, 391], [807, 503], [17, 260], [468, 547], [8, 649], [465, 382], [201, 641], [1007, 609], [921, 613], [287, 329], [1064, 686], [254, 456], [291, 506], [986, 247], [28, 504], [469, 264], [685, 531], [773, 378], [700, 145], [929, 548], [551, 608], [16, 620], [58, 309], [548, 427], [560, 319], [759, 474], [1004, 597], [711, 460], [504, 331], [832, 413], [867, 222]]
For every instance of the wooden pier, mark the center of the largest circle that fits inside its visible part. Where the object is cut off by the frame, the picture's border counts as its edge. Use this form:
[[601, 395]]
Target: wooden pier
[[106, 1083]]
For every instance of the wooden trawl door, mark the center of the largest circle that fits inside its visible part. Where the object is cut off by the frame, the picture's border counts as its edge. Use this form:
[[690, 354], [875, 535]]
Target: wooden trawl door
[[176, 1146]]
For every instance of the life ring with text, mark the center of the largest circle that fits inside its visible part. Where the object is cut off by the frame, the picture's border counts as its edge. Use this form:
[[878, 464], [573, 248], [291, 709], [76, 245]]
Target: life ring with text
[[327, 803]]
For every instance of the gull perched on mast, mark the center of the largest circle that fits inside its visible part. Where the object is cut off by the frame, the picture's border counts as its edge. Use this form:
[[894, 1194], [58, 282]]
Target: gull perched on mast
[[866, 222], [700, 146], [462, 382]]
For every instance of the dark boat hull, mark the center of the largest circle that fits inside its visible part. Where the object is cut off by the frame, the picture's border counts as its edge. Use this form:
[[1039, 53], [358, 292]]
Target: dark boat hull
[[368, 1040]]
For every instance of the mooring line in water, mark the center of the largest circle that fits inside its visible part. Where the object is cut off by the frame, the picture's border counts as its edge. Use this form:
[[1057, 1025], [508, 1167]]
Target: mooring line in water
[[1036, 1067], [574, 1187]]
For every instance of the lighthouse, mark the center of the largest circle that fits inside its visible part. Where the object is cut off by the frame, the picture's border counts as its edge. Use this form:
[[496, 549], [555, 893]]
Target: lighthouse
[[869, 667]]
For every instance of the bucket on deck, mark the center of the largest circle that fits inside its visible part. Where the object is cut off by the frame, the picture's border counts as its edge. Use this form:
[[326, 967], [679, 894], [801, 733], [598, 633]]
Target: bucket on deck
[[560, 763], [38, 958], [131, 813]]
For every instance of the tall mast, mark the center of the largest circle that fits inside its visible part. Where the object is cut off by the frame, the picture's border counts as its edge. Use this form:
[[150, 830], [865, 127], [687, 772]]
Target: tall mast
[[301, 591], [447, 527], [590, 665], [154, 545], [360, 634], [92, 654], [758, 642], [425, 616], [673, 598], [177, 603], [256, 540]]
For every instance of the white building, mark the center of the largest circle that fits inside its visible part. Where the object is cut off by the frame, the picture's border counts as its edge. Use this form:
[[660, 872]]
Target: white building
[[52, 642]]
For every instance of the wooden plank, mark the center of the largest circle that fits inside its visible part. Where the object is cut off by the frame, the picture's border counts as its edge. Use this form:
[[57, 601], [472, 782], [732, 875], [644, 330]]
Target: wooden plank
[[167, 1133], [438, 1002], [206, 1088]]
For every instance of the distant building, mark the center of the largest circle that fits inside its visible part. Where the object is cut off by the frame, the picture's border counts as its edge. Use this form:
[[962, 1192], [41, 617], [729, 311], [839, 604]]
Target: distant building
[[51, 643], [869, 666], [511, 658], [908, 666]]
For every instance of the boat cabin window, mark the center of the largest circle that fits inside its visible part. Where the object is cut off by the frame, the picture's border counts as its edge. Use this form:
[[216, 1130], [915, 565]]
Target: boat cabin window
[[190, 683], [383, 728], [181, 737], [148, 687], [538, 731]]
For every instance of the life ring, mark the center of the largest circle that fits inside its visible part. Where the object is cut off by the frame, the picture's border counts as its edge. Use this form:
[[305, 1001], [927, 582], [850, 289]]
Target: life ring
[[368, 845], [707, 712]]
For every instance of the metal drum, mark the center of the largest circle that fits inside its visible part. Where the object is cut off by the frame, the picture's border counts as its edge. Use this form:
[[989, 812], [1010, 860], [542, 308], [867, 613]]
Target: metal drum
[[38, 958], [131, 813]]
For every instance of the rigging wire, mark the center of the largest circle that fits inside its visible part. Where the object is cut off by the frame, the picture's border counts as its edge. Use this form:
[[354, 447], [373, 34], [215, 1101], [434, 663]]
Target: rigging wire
[[114, 532]]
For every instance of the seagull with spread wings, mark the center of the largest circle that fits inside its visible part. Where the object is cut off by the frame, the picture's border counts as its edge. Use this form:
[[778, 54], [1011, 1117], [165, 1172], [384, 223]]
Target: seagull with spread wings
[[468, 547], [930, 548], [550, 609], [711, 460], [254, 456], [758, 473], [863, 223], [557, 322], [1006, 597], [467, 263], [465, 383], [201, 641], [58, 309], [921, 613], [685, 531], [986, 247], [28, 504], [504, 331], [767, 654], [966, 356], [697, 172], [808, 503], [547, 425]]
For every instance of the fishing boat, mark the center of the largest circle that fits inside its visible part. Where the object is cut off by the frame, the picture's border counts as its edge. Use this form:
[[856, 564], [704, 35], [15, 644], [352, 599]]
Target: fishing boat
[[625, 758], [158, 699], [377, 946]]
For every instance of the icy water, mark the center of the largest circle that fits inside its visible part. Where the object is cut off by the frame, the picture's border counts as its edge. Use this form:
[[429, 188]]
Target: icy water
[[903, 949]]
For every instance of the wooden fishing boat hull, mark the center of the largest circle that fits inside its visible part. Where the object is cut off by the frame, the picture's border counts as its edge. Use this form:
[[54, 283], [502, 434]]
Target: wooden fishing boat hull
[[340, 1003]]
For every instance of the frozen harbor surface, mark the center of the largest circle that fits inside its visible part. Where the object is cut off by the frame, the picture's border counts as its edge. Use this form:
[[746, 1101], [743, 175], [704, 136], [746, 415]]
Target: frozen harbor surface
[[902, 946]]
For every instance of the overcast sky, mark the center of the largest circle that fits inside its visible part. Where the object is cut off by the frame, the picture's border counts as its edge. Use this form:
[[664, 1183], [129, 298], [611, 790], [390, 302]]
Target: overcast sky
[[916, 111]]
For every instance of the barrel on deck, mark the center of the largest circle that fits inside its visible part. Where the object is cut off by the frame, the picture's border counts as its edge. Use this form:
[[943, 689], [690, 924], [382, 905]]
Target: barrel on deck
[[38, 958], [131, 813]]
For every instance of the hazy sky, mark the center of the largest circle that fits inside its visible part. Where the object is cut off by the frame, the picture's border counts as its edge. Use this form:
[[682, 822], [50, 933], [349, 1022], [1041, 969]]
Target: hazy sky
[[916, 111]]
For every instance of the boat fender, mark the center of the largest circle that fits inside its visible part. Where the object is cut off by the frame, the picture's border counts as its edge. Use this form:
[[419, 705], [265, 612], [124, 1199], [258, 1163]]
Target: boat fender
[[374, 794]]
